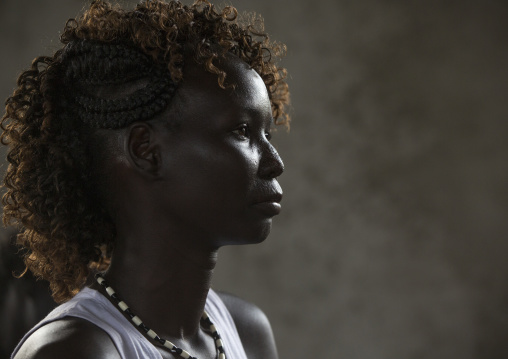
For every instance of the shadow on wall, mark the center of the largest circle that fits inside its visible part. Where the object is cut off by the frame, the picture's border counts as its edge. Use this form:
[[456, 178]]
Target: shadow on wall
[[23, 301]]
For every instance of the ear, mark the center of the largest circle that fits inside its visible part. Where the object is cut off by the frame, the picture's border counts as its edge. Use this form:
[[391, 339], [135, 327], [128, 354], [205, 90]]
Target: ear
[[142, 148]]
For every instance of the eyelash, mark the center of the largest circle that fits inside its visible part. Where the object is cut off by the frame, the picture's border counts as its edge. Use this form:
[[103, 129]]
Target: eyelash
[[243, 128], [244, 131]]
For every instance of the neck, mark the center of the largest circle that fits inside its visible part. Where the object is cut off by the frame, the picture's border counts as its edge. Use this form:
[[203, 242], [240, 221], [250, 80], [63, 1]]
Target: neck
[[166, 285]]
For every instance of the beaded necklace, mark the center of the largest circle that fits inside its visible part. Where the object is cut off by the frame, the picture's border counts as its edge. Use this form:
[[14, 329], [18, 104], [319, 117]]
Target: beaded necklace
[[205, 319]]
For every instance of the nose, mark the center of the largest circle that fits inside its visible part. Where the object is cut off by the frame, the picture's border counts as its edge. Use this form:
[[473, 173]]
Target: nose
[[270, 164]]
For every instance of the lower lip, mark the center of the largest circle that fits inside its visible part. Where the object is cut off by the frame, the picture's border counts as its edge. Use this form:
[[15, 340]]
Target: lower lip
[[269, 209]]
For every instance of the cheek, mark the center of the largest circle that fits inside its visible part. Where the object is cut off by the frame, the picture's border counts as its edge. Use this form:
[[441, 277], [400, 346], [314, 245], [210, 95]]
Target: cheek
[[212, 178], [210, 190]]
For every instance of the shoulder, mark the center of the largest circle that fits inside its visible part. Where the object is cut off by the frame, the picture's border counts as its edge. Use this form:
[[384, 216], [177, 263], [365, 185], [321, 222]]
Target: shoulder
[[253, 327], [68, 338]]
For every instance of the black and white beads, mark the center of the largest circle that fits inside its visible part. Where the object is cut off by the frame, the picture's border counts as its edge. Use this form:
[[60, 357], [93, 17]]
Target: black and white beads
[[205, 320]]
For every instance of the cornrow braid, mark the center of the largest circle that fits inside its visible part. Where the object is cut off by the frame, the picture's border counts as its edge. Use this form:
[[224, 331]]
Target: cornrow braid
[[90, 66]]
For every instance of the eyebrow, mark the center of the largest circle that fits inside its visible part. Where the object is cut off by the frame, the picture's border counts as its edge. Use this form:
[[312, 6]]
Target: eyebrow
[[254, 113]]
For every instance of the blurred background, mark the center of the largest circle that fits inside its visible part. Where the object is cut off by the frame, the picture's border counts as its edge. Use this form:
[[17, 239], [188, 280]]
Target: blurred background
[[393, 238]]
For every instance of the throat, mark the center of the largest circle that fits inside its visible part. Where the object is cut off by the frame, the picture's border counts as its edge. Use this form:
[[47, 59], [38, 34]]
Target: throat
[[168, 291], [165, 284]]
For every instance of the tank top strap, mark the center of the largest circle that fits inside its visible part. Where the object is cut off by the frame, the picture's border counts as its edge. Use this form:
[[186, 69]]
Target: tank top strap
[[225, 324], [92, 306]]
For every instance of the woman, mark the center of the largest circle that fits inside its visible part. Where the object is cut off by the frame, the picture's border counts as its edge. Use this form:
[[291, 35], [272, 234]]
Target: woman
[[136, 151]]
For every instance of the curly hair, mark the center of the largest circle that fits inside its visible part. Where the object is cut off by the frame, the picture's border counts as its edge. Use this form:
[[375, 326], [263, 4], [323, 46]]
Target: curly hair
[[51, 194]]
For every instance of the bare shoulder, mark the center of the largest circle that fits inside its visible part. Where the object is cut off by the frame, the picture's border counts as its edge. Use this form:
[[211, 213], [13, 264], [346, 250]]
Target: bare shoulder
[[253, 327], [68, 338]]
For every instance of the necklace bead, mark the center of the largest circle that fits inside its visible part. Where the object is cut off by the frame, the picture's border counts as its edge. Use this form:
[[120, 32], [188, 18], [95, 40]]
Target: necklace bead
[[150, 333]]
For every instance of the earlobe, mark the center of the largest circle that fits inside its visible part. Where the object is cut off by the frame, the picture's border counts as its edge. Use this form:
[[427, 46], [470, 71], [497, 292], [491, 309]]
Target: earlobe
[[142, 149]]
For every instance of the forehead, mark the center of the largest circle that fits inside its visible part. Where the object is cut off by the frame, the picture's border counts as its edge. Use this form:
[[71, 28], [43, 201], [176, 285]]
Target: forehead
[[200, 95]]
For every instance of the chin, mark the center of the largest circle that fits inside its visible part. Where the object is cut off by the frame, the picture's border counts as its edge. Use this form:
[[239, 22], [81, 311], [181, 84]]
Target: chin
[[253, 236]]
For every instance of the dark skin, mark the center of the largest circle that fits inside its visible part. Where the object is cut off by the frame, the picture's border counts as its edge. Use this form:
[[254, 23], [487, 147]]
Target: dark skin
[[177, 196]]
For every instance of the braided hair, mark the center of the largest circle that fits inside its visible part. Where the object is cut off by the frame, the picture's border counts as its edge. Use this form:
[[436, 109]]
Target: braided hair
[[115, 67], [95, 65]]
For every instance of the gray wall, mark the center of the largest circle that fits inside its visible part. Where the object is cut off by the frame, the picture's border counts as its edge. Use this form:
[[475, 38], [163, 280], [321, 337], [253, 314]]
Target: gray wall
[[393, 236]]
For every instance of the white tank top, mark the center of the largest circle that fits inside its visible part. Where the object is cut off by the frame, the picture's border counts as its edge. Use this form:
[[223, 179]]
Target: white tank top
[[91, 305]]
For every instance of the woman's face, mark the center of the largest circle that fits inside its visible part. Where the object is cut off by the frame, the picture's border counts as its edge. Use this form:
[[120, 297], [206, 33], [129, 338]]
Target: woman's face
[[219, 169]]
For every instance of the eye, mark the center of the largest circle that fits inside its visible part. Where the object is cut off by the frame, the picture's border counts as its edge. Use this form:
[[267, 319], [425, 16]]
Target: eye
[[243, 131], [268, 135]]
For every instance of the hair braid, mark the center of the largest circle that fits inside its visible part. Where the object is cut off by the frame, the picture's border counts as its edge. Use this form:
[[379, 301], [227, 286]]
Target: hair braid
[[91, 65]]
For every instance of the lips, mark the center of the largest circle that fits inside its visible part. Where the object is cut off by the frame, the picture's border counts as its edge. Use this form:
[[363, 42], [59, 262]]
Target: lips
[[269, 204]]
